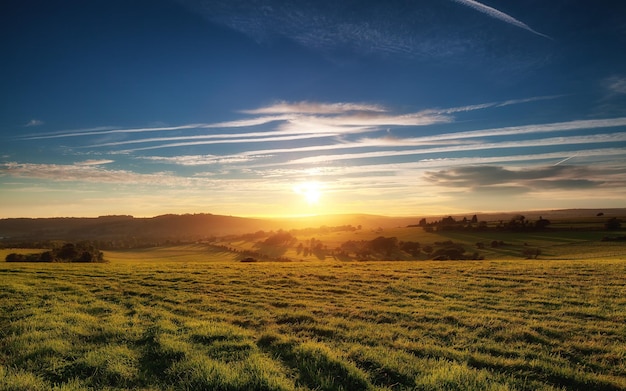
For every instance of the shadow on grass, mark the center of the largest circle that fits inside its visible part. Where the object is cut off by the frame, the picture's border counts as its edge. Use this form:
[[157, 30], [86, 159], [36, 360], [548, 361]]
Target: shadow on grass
[[317, 366]]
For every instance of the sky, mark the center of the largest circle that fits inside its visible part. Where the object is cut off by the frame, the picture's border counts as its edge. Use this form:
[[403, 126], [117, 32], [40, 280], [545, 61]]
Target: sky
[[275, 108]]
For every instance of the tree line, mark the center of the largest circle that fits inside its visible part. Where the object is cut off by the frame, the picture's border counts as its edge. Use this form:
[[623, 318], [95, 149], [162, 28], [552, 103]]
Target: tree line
[[68, 252], [516, 223]]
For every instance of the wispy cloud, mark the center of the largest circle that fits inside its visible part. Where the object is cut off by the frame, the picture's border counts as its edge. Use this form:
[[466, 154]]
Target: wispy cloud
[[200, 160], [411, 167], [106, 130], [297, 121], [291, 121], [458, 139], [322, 26], [300, 120], [34, 122], [554, 141], [91, 173], [496, 14], [228, 141], [94, 162], [482, 106], [283, 107], [616, 84]]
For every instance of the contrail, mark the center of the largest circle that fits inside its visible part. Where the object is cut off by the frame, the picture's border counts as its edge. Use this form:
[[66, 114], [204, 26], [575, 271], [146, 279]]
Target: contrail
[[494, 13], [564, 160]]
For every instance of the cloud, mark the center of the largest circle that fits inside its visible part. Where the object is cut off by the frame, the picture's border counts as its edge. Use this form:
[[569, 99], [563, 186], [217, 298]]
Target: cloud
[[201, 160], [554, 141], [106, 130], [616, 84], [496, 14], [88, 173], [283, 107], [599, 157], [326, 26], [34, 122], [456, 138], [539, 178], [229, 141], [94, 162], [340, 29], [298, 120], [301, 120]]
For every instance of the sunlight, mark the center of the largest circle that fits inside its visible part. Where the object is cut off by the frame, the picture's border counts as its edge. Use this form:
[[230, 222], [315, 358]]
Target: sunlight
[[311, 191]]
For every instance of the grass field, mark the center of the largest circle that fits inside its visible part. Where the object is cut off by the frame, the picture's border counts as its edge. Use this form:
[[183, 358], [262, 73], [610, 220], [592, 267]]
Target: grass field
[[186, 324]]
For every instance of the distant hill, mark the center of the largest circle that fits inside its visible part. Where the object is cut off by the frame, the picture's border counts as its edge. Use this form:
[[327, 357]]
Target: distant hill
[[187, 226], [199, 226], [174, 227]]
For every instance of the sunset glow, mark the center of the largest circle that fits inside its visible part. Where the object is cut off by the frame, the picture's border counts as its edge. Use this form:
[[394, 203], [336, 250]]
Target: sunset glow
[[311, 191]]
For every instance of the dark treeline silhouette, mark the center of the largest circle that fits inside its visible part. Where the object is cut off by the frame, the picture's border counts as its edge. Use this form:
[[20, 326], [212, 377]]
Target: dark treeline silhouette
[[122, 243], [516, 223], [68, 252], [391, 248]]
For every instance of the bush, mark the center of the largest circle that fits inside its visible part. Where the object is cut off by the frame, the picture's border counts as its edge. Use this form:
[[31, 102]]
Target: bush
[[531, 253], [613, 224]]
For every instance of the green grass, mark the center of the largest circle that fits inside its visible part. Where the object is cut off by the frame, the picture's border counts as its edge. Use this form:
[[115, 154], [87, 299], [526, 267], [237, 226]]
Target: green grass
[[189, 325]]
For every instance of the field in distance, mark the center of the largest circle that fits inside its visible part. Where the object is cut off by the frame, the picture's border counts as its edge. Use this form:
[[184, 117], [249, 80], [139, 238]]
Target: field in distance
[[196, 325]]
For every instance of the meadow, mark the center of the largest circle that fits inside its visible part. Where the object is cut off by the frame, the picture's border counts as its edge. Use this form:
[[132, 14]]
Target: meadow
[[191, 318]]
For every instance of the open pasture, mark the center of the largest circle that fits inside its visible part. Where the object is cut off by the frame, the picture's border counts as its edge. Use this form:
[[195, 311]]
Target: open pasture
[[184, 325]]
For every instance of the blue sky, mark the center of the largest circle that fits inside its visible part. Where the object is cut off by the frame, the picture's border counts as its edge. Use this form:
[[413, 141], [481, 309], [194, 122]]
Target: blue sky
[[280, 108]]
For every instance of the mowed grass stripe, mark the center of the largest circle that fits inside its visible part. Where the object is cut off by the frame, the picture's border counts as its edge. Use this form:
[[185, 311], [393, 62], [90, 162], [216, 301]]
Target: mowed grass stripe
[[508, 325]]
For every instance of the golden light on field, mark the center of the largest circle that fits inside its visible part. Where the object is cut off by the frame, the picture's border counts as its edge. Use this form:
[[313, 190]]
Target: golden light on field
[[310, 191]]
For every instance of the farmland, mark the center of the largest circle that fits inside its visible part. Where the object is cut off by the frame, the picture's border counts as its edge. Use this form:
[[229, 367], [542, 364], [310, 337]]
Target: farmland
[[174, 319]]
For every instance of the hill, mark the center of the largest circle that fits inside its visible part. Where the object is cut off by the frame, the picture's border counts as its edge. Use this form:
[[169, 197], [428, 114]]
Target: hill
[[201, 226], [173, 227]]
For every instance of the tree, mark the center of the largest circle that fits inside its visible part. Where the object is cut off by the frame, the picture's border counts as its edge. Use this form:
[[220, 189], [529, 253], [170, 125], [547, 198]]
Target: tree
[[68, 252], [542, 223], [46, 256], [384, 245], [14, 257], [412, 248], [613, 224], [448, 221]]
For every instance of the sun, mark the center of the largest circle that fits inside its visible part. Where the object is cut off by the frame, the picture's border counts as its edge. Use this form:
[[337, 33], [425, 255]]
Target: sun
[[311, 191]]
